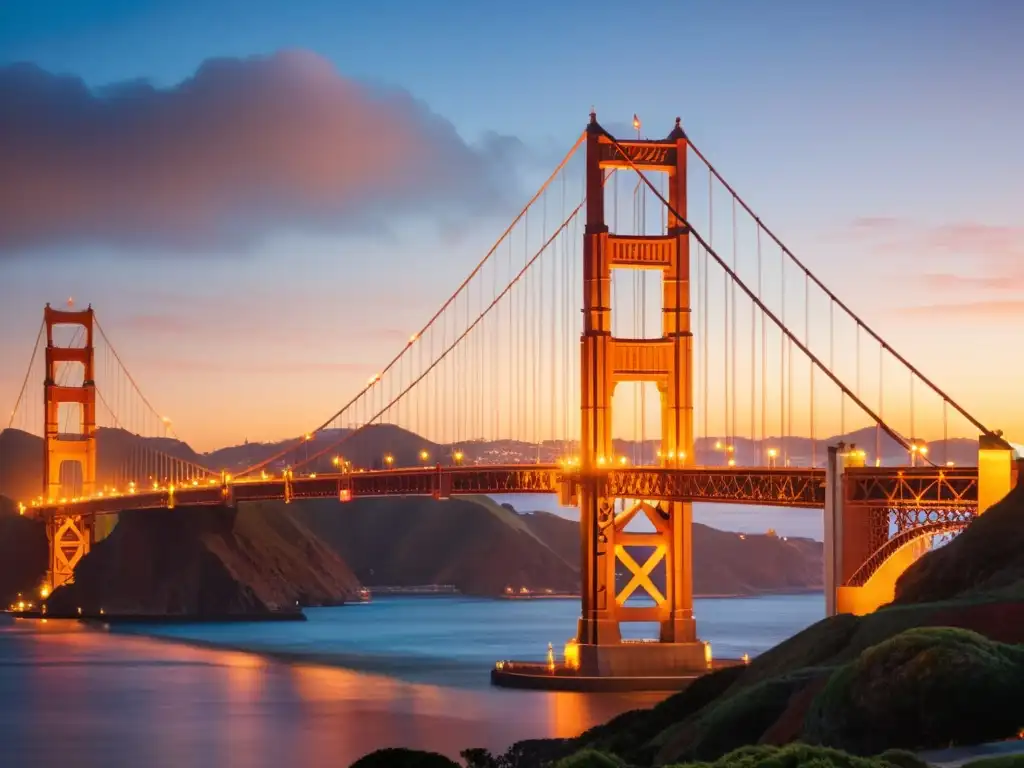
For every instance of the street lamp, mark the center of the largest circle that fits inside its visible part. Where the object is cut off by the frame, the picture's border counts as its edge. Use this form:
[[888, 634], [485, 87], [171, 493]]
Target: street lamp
[[424, 456], [389, 459], [772, 455], [457, 456]]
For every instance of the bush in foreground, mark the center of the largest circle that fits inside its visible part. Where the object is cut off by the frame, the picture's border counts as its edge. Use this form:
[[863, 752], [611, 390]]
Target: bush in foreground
[[403, 758], [806, 756], [925, 688]]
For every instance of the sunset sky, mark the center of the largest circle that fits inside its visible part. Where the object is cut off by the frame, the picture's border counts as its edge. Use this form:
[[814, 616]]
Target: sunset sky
[[263, 200]]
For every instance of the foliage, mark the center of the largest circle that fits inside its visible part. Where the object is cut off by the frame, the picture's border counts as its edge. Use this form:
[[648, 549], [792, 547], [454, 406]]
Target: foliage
[[403, 758], [1004, 761], [590, 758], [629, 734], [523, 754], [804, 756], [742, 718], [924, 688]]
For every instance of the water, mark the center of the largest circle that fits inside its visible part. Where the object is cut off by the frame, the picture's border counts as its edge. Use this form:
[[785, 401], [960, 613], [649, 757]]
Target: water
[[414, 674]]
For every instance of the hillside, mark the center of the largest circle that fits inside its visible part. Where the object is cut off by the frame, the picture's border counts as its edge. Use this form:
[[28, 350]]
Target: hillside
[[471, 543], [205, 563], [23, 553]]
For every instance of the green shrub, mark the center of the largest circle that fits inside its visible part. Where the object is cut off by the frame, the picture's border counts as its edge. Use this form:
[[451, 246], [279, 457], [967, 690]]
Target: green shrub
[[924, 688], [629, 734], [744, 717], [1005, 761], [403, 758], [590, 758], [796, 756]]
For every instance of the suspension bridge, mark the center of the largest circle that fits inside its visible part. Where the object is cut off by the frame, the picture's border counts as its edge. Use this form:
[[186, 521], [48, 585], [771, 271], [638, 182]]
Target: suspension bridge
[[635, 341]]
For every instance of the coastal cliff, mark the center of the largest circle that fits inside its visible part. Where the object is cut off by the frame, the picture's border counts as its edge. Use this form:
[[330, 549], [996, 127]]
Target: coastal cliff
[[205, 563]]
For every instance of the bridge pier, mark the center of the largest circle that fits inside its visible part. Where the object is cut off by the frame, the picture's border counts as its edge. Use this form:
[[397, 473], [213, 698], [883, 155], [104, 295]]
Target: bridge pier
[[853, 532], [998, 469]]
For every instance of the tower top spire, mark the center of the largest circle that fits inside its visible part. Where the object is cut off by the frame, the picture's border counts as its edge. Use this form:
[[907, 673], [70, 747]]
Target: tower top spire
[[677, 132]]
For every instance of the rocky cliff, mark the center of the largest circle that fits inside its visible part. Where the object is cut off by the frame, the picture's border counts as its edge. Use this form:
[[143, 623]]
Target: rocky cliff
[[206, 563]]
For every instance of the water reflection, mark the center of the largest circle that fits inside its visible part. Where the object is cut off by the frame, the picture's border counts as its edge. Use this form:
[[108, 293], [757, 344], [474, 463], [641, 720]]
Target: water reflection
[[70, 695]]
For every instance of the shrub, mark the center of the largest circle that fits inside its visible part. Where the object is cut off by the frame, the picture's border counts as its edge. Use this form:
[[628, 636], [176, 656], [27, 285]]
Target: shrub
[[922, 689], [798, 756], [590, 758], [403, 758]]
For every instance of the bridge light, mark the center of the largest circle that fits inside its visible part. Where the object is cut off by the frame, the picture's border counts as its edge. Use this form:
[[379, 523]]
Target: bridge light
[[658, 453], [730, 448], [623, 460], [412, 339], [336, 460], [458, 457], [344, 495], [156, 485], [924, 450], [772, 453], [732, 462], [389, 459], [195, 483], [601, 460], [424, 456], [718, 445], [950, 463], [671, 454], [44, 591]]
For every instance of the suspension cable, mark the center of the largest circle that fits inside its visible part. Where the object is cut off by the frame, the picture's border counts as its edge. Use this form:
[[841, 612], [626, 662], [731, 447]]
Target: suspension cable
[[924, 379], [743, 286]]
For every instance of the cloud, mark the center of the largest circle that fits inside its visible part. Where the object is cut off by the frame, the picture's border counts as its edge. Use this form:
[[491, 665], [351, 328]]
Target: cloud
[[970, 310], [988, 259], [243, 148]]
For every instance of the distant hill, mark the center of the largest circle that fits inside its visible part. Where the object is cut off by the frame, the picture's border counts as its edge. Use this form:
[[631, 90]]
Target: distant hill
[[21, 458], [724, 563], [471, 543]]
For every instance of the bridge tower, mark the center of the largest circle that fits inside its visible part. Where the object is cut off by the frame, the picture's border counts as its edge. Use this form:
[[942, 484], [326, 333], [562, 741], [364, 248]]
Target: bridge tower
[[607, 361], [70, 536]]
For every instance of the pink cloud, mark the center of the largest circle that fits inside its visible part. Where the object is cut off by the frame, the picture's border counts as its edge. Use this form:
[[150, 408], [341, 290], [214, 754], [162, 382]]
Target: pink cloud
[[268, 367], [973, 310], [243, 148]]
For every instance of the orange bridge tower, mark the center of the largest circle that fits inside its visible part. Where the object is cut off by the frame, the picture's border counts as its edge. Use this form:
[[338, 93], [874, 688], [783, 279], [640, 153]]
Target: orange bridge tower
[[607, 361], [70, 535]]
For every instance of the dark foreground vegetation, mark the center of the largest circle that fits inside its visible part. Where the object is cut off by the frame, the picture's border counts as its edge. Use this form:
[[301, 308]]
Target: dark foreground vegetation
[[942, 666]]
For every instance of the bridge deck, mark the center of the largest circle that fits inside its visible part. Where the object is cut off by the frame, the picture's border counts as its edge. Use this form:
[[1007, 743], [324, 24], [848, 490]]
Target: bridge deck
[[886, 487]]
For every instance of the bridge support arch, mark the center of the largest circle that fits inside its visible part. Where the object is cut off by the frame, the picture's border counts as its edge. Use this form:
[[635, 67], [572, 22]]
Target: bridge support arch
[[605, 362], [876, 528]]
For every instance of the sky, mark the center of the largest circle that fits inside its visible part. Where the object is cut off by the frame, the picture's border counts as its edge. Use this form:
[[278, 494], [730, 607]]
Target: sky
[[263, 200]]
